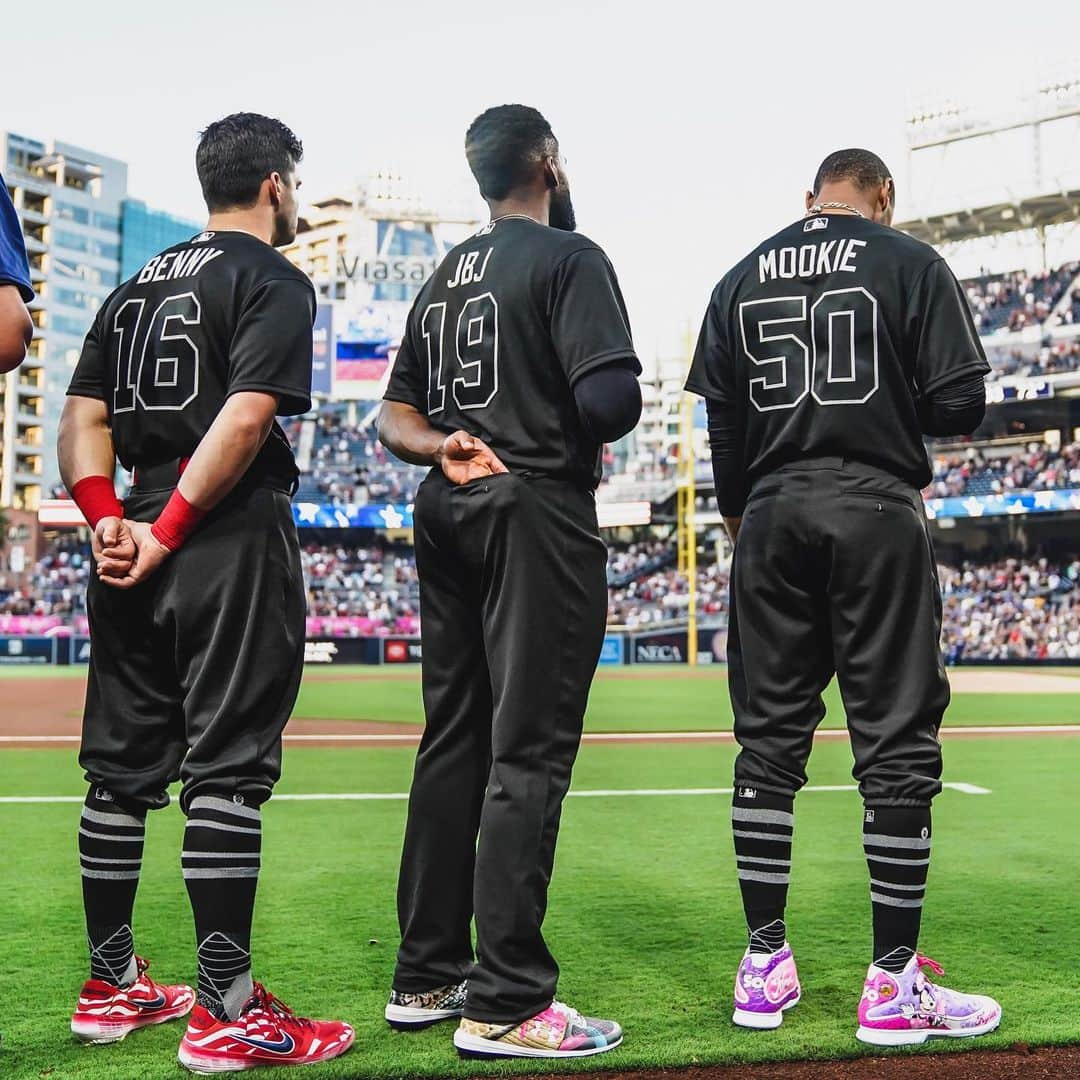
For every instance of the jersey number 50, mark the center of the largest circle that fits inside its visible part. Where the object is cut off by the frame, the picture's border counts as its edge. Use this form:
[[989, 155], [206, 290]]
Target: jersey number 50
[[157, 362], [475, 346], [839, 366]]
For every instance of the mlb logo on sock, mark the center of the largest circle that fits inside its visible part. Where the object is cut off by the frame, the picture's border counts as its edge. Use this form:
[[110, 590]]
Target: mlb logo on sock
[[747, 793], [869, 817], [103, 795]]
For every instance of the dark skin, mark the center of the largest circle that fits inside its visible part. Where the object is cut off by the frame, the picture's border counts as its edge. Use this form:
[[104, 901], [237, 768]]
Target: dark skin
[[406, 432], [875, 204]]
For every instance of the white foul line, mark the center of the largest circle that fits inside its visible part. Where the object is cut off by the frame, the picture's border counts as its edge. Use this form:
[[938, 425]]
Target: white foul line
[[618, 736], [399, 796]]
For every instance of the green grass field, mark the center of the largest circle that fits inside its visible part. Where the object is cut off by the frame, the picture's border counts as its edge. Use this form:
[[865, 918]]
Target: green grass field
[[644, 912]]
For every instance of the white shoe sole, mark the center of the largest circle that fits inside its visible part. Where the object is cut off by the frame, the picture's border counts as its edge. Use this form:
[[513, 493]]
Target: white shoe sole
[[886, 1037], [474, 1046], [763, 1021], [405, 1018], [208, 1064], [100, 1032]]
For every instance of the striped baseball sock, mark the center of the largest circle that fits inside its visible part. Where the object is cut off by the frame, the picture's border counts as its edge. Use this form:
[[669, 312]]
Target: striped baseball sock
[[110, 859], [762, 823], [897, 844], [222, 842]]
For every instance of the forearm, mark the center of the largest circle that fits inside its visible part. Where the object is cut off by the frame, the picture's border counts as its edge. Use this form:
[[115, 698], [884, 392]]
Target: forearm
[[84, 444], [732, 526], [408, 434], [227, 450]]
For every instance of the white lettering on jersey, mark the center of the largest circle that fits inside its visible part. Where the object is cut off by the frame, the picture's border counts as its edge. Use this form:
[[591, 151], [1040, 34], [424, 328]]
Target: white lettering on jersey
[[177, 264], [809, 260], [466, 272]]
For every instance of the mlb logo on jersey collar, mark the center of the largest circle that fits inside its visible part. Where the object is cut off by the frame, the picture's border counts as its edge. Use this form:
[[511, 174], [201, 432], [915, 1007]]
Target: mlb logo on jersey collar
[[816, 223]]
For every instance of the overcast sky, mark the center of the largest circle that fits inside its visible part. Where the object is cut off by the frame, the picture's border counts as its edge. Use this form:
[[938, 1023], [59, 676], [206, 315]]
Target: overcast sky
[[691, 129]]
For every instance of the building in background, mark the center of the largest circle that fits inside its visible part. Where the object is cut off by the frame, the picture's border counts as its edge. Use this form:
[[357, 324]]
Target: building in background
[[368, 253], [83, 234]]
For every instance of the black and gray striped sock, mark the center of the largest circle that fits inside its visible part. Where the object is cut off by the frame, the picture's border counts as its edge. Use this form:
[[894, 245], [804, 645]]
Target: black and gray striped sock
[[762, 824], [222, 844], [897, 844], [110, 860]]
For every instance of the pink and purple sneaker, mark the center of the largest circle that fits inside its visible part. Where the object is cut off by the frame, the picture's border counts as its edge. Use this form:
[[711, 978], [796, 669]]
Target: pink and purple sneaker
[[766, 986], [900, 1010]]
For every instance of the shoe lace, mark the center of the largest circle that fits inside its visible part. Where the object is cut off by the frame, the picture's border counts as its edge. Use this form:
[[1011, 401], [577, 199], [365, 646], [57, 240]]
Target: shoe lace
[[572, 1015], [933, 965], [262, 998]]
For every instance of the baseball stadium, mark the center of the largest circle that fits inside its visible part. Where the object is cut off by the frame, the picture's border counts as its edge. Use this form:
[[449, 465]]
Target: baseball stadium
[[644, 895]]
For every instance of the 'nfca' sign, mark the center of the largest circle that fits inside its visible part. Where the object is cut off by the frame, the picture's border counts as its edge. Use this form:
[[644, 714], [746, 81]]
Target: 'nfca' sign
[[393, 270]]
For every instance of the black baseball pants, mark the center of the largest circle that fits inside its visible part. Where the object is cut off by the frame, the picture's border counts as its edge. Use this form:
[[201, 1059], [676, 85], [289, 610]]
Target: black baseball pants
[[834, 572], [513, 596], [193, 674]]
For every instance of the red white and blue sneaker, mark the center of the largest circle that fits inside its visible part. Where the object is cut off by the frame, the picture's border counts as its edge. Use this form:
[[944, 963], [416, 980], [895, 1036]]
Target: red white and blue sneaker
[[900, 1010], [410, 1012], [106, 1013], [766, 986], [557, 1032], [267, 1032]]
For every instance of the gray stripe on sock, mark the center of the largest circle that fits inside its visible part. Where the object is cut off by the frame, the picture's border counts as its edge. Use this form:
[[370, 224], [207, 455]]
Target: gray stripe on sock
[[897, 862], [111, 875], [220, 871], [204, 823], [764, 862], [777, 838], [897, 886], [219, 855], [225, 806], [765, 816], [126, 820], [114, 837], [767, 879], [111, 862], [916, 843], [892, 901]]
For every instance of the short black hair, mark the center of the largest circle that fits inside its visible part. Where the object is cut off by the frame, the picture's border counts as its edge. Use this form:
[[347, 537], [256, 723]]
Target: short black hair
[[862, 167], [236, 154], [504, 144]]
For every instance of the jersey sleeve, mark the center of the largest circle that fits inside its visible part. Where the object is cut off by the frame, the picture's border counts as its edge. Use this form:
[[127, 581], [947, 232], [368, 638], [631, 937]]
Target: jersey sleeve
[[712, 373], [941, 330], [14, 268], [589, 324], [271, 350], [89, 379], [408, 380]]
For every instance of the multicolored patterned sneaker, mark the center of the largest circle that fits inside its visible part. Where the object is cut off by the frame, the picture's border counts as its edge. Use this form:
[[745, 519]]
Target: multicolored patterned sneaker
[[899, 1010], [106, 1013], [557, 1032], [410, 1012], [267, 1032], [766, 986]]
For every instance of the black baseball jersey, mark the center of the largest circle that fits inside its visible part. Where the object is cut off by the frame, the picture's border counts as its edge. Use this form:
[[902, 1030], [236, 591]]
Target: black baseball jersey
[[217, 314], [824, 338], [497, 337]]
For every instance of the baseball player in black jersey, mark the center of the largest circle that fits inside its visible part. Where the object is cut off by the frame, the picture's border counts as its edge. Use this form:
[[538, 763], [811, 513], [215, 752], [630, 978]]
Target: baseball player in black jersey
[[825, 355], [516, 366], [197, 609]]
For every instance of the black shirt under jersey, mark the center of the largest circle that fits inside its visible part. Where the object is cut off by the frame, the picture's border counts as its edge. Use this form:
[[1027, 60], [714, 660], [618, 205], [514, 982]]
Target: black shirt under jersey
[[500, 333], [204, 319], [822, 342]]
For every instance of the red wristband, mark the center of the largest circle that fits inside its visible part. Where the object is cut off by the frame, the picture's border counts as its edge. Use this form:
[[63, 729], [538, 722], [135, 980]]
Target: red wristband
[[96, 498], [176, 522]]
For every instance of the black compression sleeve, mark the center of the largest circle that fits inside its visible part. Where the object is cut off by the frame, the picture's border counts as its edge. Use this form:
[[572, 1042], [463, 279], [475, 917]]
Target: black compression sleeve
[[608, 401], [729, 475], [957, 408]]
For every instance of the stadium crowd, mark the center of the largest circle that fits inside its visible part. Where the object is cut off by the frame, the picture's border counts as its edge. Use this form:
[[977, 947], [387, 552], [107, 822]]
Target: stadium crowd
[[1012, 609], [1013, 301], [1036, 467]]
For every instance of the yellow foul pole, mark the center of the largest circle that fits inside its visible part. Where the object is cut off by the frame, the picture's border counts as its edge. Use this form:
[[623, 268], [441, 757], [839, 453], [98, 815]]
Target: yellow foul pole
[[685, 530]]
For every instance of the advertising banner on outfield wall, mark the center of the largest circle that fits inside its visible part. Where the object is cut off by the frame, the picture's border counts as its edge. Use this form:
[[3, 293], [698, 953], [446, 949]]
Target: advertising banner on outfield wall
[[401, 651], [27, 650], [613, 650], [669, 646], [320, 651], [322, 352]]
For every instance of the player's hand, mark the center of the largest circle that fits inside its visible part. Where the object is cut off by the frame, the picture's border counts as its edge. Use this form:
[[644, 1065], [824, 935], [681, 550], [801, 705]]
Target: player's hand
[[149, 555], [113, 547], [463, 457]]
